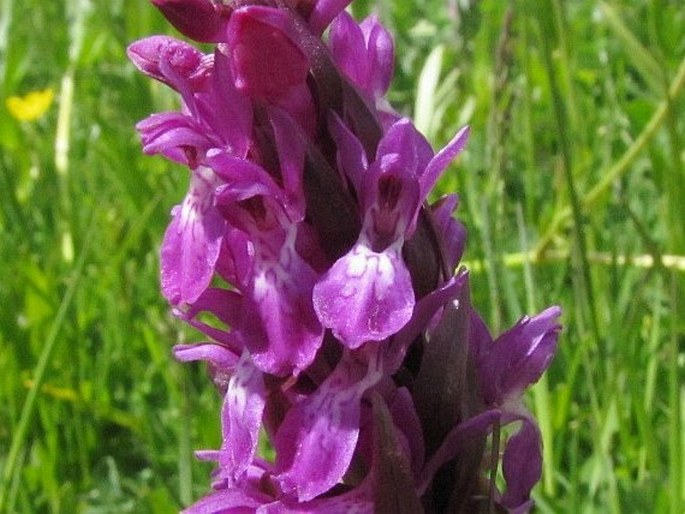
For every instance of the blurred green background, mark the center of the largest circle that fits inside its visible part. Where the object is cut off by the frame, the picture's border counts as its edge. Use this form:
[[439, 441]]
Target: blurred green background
[[572, 188]]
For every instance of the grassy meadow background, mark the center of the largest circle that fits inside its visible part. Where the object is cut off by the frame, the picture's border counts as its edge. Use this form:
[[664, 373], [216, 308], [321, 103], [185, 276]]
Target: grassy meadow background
[[572, 188]]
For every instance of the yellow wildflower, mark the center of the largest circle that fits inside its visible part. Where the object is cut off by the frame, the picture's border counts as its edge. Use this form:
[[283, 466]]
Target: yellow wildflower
[[31, 106]]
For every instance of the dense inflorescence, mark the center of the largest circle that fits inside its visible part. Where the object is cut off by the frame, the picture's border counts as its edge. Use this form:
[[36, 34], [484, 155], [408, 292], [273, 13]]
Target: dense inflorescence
[[306, 250]]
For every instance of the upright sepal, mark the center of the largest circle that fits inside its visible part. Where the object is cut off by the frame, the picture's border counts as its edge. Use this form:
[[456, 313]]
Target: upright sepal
[[365, 53]]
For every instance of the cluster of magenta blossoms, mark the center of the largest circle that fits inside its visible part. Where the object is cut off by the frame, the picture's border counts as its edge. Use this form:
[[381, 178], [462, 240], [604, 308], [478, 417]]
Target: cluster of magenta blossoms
[[306, 250]]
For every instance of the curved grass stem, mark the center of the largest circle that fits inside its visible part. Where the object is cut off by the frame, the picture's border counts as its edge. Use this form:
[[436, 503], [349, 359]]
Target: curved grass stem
[[621, 166]]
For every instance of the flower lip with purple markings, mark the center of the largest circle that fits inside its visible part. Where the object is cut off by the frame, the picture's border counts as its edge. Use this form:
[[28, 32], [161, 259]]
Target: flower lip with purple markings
[[338, 322]]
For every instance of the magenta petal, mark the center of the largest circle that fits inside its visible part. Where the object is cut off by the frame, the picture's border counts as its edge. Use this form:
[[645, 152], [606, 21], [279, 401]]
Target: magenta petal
[[174, 135], [442, 159], [391, 201], [323, 13], [413, 150], [216, 354], [522, 465], [316, 441], [424, 311], [192, 242], [364, 52], [519, 356], [242, 418], [157, 55], [459, 439], [351, 157], [381, 54], [348, 49], [221, 360], [226, 110], [228, 501], [197, 19], [225, 305], [451, 231], [266, 58], [280, 326], [356, 501], [291, 146], [391, 189], [235, 259], [365, 296], [245, 178]]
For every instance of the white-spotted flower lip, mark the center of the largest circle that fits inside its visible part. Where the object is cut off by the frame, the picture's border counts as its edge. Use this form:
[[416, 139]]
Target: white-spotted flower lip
[[365, 296], [192, 241]]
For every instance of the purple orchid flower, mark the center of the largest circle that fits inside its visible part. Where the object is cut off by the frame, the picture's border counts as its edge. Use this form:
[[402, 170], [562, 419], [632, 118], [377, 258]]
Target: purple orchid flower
[[193, 240], [314, 450], [508, 366], [343, 328], [367, 294], [279, 324]]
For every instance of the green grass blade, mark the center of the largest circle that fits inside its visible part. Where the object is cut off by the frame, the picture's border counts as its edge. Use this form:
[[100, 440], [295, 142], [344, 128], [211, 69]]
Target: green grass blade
[[621, 166], [644, 62], [675, 454], [28, 410]]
